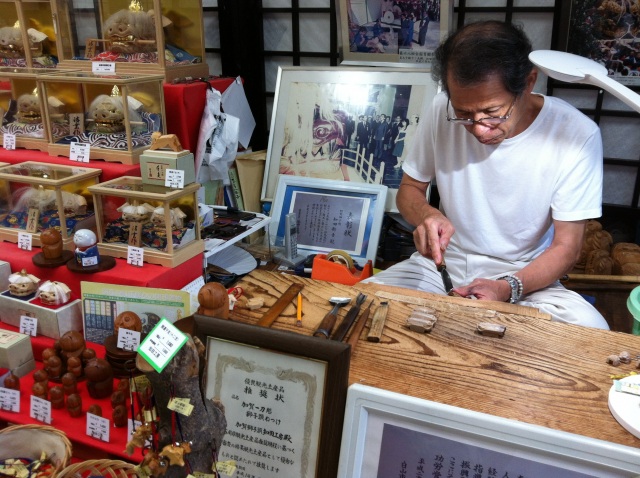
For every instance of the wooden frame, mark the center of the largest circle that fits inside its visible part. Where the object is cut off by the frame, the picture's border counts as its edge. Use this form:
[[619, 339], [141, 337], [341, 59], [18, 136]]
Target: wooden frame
[[315, 121], [280, 353], [384, 428], [373, 31], [602, 34], [363, 202]]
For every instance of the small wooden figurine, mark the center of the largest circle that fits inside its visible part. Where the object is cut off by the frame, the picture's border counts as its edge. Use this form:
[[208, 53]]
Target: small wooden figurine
[[138, 438], [54, 367], [69, 383], [51, 240], [56, 396], [160, 141], [86, 242], [22, 284], [54, 293], [99, 378], [74, 365], [214, 300], [74, 405], [95, 409], [41, 376], [120, 416], [40, 390], [12, 382], [128, 320]]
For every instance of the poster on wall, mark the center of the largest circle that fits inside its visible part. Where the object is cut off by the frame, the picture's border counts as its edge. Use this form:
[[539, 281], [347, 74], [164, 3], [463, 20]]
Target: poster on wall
[[395, 33], [606, 31]]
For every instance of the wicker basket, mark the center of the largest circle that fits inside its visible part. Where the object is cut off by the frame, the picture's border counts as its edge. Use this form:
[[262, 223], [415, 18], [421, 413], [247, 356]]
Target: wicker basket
[[29, 441], [106, 468]]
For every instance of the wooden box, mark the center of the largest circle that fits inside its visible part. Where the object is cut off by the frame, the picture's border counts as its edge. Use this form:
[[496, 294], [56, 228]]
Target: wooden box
[[38, 196], [52, 322], [105, 38], [16, 353], [115, 115], [154, 164], [170, 213], [28, 23]]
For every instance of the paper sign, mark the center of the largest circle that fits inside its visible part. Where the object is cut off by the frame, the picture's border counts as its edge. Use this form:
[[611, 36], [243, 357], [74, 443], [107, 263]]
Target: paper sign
[[98, 427], [79, 152], [103, 67], [10, 400], [40, 409], [28, 325], [25, 241], [89, 261], [226, 467], [135, 256], [128, 339], [180, 405], [174, 178], [162, 343], [9, 141]]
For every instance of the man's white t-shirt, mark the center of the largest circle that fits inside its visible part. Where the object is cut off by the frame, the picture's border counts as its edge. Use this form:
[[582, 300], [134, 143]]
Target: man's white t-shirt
[[502, 198]]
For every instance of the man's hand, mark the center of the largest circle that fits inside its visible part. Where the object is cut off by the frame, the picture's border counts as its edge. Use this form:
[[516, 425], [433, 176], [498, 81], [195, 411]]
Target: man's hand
[[431, 236], [486, 289]]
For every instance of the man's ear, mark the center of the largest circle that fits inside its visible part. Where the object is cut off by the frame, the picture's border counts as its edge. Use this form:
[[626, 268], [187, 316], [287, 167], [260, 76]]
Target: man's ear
[[531, 80]]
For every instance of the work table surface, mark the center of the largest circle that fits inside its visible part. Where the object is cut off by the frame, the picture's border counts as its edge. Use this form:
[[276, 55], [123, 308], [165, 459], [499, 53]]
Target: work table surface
[[541, 372]]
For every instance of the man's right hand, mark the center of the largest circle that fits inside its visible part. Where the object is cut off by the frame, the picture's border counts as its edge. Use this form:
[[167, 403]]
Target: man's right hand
[[431, 236]]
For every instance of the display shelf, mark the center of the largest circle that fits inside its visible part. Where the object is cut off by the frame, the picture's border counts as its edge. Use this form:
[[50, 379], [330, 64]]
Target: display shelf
[[213, 246]]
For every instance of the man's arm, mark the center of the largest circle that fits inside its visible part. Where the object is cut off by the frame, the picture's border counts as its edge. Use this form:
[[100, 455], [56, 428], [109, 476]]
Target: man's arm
[[557, 260], [433, 230]]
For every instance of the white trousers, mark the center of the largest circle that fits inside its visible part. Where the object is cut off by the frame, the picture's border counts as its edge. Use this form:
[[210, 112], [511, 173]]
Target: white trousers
[[420, 273]]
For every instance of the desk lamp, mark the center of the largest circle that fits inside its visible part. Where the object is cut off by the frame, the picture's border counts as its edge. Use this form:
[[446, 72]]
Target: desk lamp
[[577, 69]]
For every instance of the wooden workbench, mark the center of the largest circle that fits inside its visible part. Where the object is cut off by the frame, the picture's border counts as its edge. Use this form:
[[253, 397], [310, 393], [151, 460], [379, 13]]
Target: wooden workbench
[[541, 372]]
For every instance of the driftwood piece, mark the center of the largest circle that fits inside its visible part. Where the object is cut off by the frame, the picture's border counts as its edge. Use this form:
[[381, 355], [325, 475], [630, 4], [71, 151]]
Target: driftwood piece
[[204, 427]]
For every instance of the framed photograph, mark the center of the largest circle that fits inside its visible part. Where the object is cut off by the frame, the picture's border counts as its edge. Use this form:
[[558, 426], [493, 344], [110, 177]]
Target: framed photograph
[[389, 434], [284, 397], [330, 215], [345, 124], [392, 32], [606, 31]]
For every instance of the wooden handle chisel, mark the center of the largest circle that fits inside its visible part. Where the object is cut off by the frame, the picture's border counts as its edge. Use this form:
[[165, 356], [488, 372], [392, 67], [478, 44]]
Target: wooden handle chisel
[[377, 322]]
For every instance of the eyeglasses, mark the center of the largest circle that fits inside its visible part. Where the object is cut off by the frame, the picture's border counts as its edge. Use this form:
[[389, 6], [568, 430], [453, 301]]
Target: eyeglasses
[[489, 121]]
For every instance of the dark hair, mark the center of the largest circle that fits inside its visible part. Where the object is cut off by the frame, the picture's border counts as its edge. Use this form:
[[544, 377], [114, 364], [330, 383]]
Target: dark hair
[[480, 50]]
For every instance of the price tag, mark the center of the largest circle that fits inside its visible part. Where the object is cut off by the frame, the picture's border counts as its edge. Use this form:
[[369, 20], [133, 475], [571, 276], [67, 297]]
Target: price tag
[[79, 152], [40, 410], [10, 400], [28, 325], [161, 344], [225, 467], [103, 67], [128, 339], [25, 241], [9, 141], [180, 405], [98, 427], [135, 256], [174, 178]]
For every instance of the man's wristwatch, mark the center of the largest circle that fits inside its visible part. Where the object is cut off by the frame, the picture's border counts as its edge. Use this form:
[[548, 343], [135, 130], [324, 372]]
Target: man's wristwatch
[[516, 287]]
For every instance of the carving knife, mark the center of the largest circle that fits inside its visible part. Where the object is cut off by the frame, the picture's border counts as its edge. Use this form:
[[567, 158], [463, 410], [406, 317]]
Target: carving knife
[[446, 279], [349, 319]]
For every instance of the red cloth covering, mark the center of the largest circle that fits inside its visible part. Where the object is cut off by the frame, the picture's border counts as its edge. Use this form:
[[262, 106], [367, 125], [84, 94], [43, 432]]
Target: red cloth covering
[[150, 275], [74, 428]]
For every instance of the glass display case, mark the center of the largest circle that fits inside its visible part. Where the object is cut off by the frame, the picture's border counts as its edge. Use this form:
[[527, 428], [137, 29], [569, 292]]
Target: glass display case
[[163, 221], [133, 36], [27, 34], [38, 196], [115, 115]]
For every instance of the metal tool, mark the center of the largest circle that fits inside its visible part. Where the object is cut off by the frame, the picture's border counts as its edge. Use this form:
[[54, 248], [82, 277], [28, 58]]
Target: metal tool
[[279, 305], [446, 278], [329, 320], [359, 327], [349, 319], [377, 323]]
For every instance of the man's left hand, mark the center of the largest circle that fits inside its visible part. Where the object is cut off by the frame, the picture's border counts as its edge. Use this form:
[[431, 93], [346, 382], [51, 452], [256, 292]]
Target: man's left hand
[[486, 289]]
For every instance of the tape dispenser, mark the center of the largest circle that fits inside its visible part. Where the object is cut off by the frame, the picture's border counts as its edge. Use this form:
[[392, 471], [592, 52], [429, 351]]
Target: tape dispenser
[[338, 266]]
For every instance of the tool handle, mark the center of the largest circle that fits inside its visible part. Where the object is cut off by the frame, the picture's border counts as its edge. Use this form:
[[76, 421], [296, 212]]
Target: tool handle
[[324, 329], [358, 328], [279, 305], [346, 323], [377, 323]]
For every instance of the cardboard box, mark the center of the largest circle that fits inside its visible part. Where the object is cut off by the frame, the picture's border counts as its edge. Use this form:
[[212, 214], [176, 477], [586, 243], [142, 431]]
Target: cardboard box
[[154, 163], [16, 353], [250, 173], [52, 322]]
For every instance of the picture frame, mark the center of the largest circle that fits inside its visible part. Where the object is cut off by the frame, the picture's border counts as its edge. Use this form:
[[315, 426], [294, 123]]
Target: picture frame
[[295, 409], [324, 124], [330, 215], [384, 429], [603, 31], [401, 33]]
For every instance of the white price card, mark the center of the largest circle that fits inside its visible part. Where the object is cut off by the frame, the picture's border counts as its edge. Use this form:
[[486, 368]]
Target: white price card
[[161, 344], [89, 261], [10, 400], [25, 241], [28, 325], [103, 67], [9, 141], [98, 427], [79, 152], [174, 178], [128, 339], [40, 409], [135, 256]]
